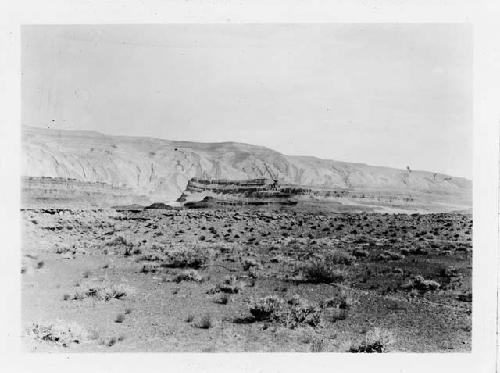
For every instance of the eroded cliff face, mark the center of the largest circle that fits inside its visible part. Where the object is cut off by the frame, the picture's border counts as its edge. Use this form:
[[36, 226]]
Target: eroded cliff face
[[252, 191], [161, 169], [57, 192]]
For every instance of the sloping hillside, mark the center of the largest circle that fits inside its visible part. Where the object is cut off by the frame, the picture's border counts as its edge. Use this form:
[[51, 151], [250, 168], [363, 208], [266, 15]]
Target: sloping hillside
[[161, 169]]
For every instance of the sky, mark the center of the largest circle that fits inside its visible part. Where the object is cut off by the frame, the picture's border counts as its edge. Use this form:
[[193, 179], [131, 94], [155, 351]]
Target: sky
[[383, 94]]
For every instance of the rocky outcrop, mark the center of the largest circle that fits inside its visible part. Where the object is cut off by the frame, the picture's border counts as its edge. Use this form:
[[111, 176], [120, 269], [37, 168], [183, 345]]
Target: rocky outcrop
[[254, 192]]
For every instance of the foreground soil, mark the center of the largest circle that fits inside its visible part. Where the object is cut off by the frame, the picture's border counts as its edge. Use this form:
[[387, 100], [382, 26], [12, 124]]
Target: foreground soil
[[191, 280]]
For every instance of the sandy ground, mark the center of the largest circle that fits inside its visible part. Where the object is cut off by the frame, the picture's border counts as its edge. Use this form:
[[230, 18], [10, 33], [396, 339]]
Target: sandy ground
[[71, 258]]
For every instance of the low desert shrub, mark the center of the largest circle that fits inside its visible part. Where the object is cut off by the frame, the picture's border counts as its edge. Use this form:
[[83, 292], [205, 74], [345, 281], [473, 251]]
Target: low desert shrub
[[221, 299], [405, 251], [292, 313], [251, 263], [110, 341], [118, 241], [421, 284], [188, 275], [86, 274], [264, 309], [62, 250], [360, 253], [465, 297], [376, 340], [205, 322], [300, 311], [150, 268], [60, 333], [317, 345], [337, 308], [448, 272], [229, 285], [321, 270], [343, 301], [101, 292], [189, 258], [335, 314], [391, 255], [339, 257]]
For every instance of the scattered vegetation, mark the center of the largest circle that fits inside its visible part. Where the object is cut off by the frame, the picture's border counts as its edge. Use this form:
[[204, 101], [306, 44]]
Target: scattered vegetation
[[381, 260], [101, 292]]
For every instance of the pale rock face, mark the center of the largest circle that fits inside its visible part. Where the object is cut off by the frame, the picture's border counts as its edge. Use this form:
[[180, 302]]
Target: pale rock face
[[161, 169]]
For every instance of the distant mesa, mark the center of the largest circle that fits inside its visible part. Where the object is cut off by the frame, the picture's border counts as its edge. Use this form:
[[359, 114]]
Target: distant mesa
[[84, 168]]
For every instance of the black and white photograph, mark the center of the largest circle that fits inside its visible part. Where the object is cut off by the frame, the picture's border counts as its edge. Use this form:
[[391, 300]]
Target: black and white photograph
[[266, 186], [278, 187]]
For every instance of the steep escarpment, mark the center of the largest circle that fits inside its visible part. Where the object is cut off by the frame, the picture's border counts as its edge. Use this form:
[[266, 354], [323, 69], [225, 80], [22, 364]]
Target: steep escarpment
[[161, 169]]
